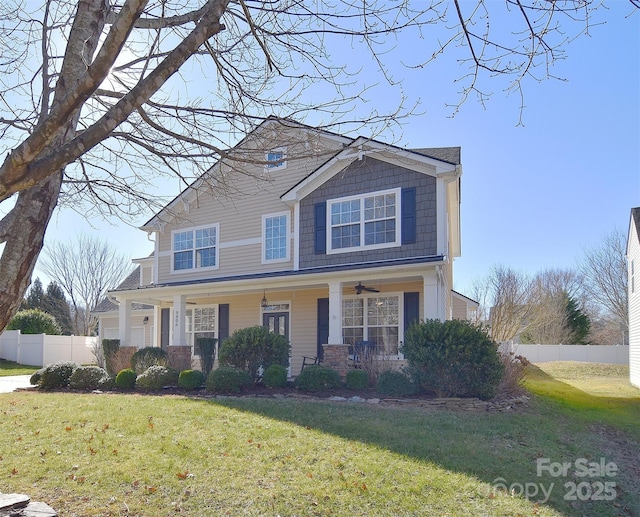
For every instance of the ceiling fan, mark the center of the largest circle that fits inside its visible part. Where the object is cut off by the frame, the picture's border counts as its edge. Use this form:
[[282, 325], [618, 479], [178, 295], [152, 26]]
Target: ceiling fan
[[359, 288]]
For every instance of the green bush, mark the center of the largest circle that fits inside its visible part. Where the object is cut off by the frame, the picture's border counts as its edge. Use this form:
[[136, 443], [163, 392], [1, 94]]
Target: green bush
[[149, 356], [318, 378], [34, 321], [190, 379], [36, 376], [227, 379], [89, 378], [254, 349], [453, 358], [126, 379], [155, 378], [207, 352], [357, 379], [395, 384], [275, 376], [57, 375], [110, 348]]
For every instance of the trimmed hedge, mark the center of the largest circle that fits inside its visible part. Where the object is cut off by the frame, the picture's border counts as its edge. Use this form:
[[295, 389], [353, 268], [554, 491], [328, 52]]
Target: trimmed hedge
[[227, 379], [155, 378], [149, 356], [89, 378], [395, 384], [453, 358], [275, 376], [357, 380], [318, 378], [254, 349], [57, 375], [126, 379], [190, 379]]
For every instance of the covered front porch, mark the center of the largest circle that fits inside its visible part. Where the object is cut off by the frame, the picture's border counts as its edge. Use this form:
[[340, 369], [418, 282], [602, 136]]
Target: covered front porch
[[311, 309]]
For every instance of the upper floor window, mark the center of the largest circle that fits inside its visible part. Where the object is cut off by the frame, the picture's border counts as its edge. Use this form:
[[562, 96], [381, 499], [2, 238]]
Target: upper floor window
[[365, 221], [195, 248], [276, 159], [275, 237]]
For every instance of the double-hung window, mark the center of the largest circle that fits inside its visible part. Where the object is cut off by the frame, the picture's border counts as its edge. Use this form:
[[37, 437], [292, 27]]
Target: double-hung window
[[375, 319], [195, 248], [366, 221], [276, 159], [275, 237]]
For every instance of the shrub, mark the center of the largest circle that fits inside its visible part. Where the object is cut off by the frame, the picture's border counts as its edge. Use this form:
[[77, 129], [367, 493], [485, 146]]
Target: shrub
[[357, 379], [253, 350], [110, 349], [155, 377], [227, 379], [149, 356], [453, 358], [89, 378], [36, 376], [126, 379], [318, 378], [514, 372], [57, 375], [34, 321], [275, 376], [207, 352], [395, 384], [190, 379]]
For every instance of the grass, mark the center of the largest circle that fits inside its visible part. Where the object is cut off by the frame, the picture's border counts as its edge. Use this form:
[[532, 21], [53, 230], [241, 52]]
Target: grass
[[115, 454], [8, 368]]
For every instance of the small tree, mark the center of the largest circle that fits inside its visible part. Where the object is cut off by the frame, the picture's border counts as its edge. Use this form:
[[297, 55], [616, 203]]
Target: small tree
[[453, 358], [207, 352], [34, 321], [253, 350]]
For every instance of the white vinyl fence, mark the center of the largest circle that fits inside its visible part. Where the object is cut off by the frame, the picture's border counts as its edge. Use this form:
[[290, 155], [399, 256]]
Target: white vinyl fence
[[613, 354], [41, 349]]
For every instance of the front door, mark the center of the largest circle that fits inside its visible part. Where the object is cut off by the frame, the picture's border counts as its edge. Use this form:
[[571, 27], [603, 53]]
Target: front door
[[277, 322]]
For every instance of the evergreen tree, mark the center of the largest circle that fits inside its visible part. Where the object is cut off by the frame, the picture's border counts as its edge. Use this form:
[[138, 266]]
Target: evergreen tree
[[35, 296], [55, 303], [577, 321]]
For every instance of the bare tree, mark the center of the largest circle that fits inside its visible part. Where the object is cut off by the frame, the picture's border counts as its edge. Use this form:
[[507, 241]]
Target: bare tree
[[86, 270], [604, 269], [548, 320], [506, 297], [98, 99]]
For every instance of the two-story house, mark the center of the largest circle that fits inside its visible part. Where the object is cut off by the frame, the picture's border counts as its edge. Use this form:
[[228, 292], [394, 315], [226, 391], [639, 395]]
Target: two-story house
[[323, 238]]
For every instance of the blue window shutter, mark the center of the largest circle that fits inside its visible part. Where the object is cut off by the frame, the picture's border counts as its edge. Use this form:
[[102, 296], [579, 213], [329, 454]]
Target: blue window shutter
[[408, 215], [320, 228]]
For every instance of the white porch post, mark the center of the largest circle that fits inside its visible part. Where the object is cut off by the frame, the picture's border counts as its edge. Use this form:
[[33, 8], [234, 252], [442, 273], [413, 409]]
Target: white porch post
[[124, 322], [335, 313], [179, 313], [433, 300]]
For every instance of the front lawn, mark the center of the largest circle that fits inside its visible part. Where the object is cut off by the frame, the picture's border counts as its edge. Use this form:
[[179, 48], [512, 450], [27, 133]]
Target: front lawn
[[147, 455], [8, 368]]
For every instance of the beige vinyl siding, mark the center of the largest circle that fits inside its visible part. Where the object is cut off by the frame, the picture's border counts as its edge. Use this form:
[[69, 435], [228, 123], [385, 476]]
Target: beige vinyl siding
[[634, 306], [459, 309], [147, 274], [239, 216]]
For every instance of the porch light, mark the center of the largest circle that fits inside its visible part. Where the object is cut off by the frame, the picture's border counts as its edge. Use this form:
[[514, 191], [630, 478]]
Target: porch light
[[264, 302], [145, 320]]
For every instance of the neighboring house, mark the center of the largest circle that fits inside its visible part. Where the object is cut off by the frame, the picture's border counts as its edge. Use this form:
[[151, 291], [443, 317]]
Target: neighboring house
[[633, 264], [323, 238]]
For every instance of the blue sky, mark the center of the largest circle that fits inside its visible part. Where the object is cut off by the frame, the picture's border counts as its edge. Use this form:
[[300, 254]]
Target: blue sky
[[533, 195]]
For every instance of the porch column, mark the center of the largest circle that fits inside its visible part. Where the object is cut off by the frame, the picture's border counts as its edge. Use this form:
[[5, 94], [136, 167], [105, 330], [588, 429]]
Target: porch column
[[124, 321], [335, 313], [433, 300], [179, 313]]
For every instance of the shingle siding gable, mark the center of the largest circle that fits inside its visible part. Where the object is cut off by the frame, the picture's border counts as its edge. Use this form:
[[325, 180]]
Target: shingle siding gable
[[370, 175]]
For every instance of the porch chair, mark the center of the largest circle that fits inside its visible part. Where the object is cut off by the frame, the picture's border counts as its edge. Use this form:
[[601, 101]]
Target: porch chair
[[307, 361]]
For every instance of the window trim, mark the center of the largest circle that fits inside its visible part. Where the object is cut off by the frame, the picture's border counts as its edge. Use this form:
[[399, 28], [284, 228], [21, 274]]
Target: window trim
[[194, 249], [190, 333], [263, 251], [398, 218], [365, 321], [272, 165]]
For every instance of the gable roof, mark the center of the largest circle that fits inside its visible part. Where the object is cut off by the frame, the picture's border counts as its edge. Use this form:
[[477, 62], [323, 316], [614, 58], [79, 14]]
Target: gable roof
[[131, 282]]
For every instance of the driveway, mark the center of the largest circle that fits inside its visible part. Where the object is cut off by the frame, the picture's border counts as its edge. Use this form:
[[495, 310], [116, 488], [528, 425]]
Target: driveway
[[13, 382]]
